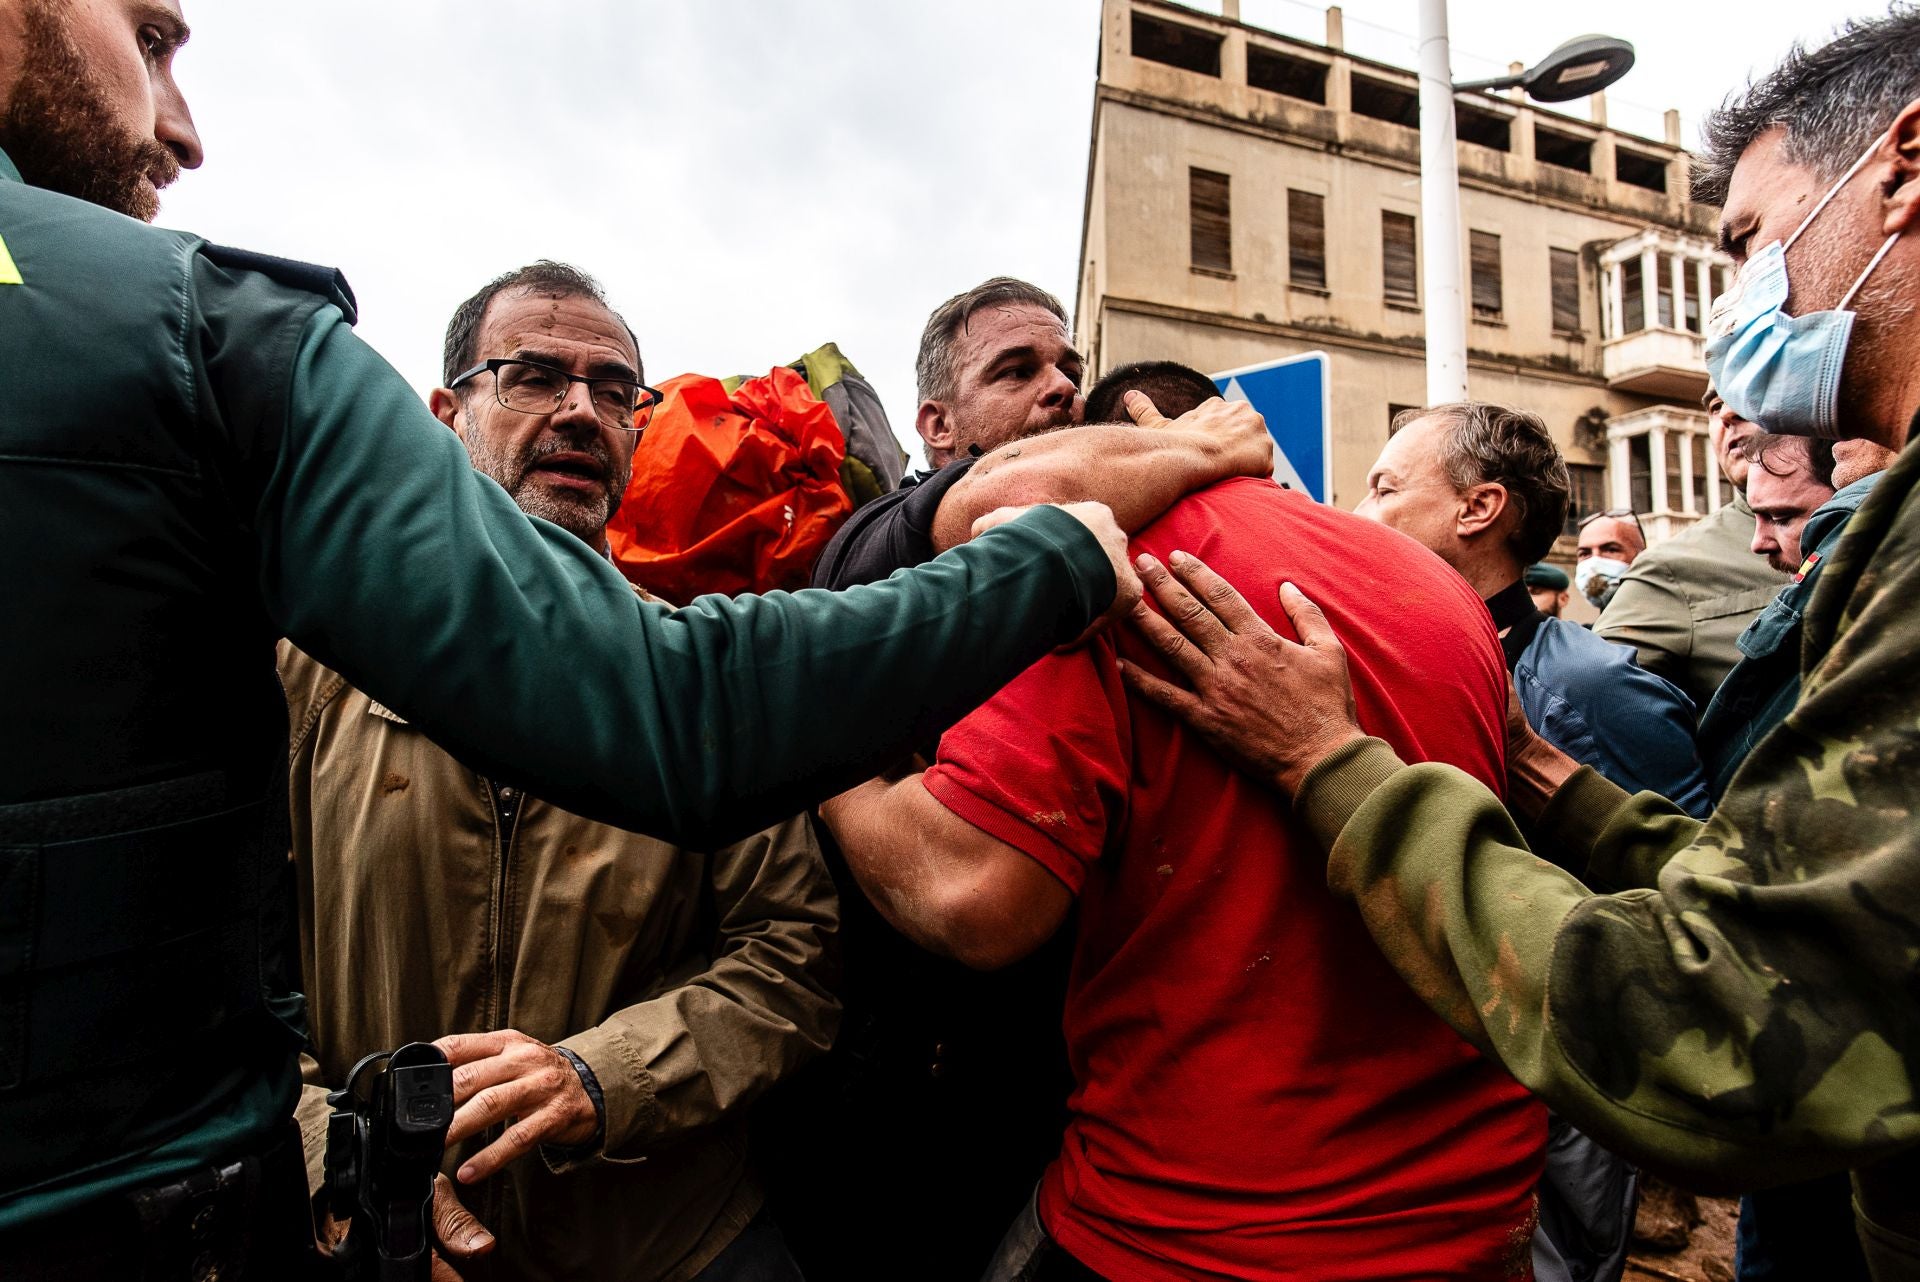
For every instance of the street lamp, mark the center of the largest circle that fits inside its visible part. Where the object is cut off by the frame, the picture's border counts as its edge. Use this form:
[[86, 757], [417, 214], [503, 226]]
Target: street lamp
[[1574, 70]]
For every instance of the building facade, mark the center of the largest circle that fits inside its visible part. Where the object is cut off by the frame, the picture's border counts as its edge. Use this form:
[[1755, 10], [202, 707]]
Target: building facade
[[1251, 196]]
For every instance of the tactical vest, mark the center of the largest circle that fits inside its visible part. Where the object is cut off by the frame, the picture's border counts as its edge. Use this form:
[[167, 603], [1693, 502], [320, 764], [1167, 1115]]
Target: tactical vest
[[148, 1023]]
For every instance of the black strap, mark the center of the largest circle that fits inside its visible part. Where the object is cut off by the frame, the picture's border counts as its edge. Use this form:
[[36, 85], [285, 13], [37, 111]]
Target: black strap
[[114, 947], [1516, 617], [327, 282]]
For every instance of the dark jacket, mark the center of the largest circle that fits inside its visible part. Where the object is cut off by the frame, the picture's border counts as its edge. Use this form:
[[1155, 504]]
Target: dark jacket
[[1762, 688], [1593, 701]]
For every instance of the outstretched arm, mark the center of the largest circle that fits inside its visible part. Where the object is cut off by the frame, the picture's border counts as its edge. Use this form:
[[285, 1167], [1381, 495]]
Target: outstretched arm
[[383, 554], [1137, 471]]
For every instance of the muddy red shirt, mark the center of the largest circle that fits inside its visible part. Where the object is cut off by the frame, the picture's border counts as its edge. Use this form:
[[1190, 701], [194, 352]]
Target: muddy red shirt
[[1257, 1095]]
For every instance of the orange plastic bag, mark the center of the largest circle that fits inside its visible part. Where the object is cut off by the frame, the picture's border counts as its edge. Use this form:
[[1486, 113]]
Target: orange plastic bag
[[731, 493]]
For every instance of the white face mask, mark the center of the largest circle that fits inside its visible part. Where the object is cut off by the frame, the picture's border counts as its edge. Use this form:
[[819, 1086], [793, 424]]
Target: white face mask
[[1597, 577]]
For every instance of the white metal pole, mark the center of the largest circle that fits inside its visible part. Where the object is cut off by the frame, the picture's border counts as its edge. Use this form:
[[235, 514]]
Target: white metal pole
[[1446, 305]]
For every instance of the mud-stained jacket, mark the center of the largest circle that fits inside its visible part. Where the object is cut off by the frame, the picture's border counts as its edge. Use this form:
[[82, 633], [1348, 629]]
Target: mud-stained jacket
[[434, 900], [1743, 1004]]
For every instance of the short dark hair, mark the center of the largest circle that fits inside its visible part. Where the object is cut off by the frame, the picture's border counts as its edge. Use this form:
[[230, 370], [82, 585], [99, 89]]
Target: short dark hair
[[1172, 387], [1832, 100], [555, 280], [1488, 443], [935, 370], [1781, 454]]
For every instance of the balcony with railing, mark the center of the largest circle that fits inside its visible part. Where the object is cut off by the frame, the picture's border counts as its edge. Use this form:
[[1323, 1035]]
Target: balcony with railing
[[1658, 288], [1662, 465]]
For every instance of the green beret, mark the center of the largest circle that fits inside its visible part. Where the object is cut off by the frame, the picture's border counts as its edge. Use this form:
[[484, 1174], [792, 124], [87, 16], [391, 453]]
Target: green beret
[[1542, 575]]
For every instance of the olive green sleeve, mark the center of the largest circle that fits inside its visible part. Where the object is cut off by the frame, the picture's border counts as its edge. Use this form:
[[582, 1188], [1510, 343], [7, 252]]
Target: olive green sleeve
[[1648, 613], [1704, 1025], [388, 558]]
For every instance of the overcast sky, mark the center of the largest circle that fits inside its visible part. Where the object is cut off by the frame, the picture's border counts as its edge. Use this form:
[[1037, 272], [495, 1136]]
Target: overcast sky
[[751, 178]]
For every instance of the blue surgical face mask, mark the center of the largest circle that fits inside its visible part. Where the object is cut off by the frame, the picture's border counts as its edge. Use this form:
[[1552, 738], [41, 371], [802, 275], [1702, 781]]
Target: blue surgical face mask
[[1777, 371]]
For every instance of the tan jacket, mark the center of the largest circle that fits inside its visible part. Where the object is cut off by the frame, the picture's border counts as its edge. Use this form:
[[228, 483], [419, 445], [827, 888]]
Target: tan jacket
[[688, 983]]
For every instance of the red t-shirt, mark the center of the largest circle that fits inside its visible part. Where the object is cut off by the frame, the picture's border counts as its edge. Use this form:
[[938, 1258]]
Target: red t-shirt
[[1257, 1094]]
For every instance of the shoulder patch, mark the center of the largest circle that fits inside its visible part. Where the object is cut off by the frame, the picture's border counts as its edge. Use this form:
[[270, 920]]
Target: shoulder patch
[[327, 282], [9, 273]]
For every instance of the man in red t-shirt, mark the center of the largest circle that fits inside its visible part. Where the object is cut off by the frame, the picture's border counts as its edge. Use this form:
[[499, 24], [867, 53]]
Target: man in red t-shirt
[[1257, 1095]]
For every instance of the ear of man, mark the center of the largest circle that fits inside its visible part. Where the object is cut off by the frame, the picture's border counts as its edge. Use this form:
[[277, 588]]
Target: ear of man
[[935, 426], [445, 404], [1481, 509], [1902, 188]]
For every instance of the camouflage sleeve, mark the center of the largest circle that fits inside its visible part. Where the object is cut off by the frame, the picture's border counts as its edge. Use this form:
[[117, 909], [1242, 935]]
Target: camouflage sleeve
[[1703, 1023]]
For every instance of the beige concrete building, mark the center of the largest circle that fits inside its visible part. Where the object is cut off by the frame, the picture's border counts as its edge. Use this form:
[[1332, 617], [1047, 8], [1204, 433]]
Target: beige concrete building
[[1252, 196]]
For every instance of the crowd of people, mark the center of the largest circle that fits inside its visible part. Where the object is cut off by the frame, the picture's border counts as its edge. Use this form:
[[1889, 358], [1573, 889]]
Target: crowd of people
[[1119, 867]]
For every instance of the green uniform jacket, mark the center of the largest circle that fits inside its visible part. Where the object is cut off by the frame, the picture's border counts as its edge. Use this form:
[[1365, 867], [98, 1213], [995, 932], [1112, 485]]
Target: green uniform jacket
[[197, 456], [1683, 604], [1744, 1004]]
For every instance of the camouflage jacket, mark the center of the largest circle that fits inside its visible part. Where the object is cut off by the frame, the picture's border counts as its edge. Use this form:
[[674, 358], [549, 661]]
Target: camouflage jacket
[[1739, 999]]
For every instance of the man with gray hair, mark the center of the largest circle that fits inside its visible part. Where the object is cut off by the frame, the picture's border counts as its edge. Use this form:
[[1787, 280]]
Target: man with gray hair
[[1485, 489], [1738, 1000], [998, 368], [975, 1062]]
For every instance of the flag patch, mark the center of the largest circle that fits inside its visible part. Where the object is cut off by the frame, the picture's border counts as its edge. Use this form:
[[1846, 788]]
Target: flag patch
[[9, 274]]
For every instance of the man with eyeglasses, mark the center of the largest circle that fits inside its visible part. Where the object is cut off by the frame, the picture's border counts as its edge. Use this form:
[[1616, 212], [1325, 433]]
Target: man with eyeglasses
[[1684, 603], [622, 999]]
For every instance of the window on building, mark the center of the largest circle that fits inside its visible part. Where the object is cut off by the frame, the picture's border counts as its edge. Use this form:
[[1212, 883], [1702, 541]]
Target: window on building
[[1482, 127], [1563, 150], [1719, 275], [1726, 490], [1400, 261], [1307, 239], [1484, 256], [1691, 309], [1589, 494], [1280, 73], [1563, 276], [1633, 297], [1663, 263], [1176, 44], [1637, 170], [1676, 492], [1383, 100], [1640, 473], [1209, 211]]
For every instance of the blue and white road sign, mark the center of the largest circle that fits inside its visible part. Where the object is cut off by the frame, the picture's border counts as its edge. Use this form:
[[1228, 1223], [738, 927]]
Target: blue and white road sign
[[1292, 395]]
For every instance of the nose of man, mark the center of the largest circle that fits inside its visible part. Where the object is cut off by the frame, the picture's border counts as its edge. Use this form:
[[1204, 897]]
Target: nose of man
[[173, 127]]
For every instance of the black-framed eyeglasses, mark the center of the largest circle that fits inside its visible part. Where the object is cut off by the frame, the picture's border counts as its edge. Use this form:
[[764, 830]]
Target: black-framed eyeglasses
[[1619, 514], [530, 387]]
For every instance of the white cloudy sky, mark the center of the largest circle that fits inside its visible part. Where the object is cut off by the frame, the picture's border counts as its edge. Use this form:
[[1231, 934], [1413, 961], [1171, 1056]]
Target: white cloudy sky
[[751, 177]]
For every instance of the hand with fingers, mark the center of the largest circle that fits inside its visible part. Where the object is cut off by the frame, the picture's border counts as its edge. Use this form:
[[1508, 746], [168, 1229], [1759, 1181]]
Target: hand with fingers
[[1235, 428], [462, 1237], [1097, 517], [509, 1078], [457, 1231], [1275, 708]]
